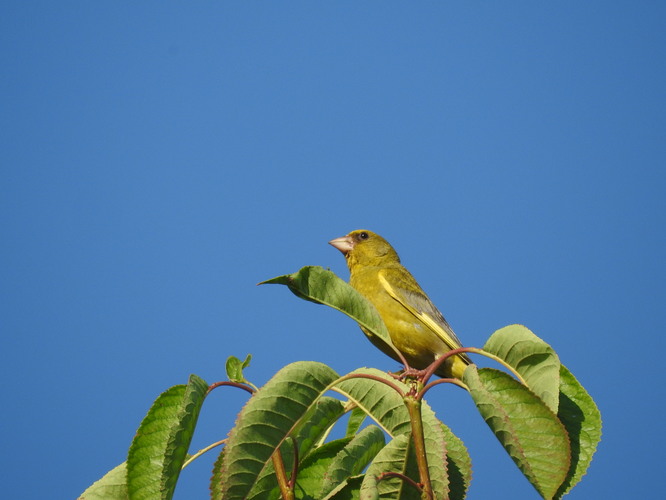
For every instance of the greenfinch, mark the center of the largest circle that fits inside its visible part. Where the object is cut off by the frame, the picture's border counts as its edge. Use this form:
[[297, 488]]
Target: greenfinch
[[416, 327]]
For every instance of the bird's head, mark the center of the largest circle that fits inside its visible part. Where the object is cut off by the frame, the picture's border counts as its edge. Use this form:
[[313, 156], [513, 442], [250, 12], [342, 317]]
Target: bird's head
[[365, 248]]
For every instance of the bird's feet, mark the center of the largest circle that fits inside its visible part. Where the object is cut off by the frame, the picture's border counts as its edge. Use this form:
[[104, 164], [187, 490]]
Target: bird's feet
[[408, 372]]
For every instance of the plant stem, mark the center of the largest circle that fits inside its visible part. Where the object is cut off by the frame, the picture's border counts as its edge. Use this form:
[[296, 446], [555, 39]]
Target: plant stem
[[414, 408], [201, 452], [251, 389], [453, 381], [286, 491], [402, 477]]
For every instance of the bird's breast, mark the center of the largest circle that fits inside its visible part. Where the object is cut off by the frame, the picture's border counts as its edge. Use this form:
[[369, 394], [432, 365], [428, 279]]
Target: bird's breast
[[408, 334]]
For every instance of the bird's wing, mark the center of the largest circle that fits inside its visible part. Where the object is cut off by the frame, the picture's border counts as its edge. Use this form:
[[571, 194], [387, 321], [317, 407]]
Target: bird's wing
[[418, 303]]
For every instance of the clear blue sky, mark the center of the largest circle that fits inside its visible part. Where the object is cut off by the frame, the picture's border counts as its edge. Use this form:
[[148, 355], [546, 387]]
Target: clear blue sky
[[161, 158]]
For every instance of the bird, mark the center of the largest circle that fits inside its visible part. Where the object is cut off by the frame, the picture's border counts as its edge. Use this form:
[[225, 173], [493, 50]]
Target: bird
[[416, 327]]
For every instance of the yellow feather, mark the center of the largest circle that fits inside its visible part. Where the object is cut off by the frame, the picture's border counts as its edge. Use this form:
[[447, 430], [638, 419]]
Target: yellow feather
[[424, 318]]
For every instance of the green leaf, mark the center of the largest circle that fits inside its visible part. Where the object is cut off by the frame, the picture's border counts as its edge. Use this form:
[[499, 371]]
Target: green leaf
[[216, 478], [312, 469], [235, 367], [377, 400], [347, 490], [369, 488], [353, 458], [159, 448], [112, 486], [316, 284], [181, 438], [313, 425], [535, 360], [436, 452], [316, 423], [267, 419], [356, 418], [396, 457], [386, 407], [529, 431], [582, 419], [459, 465], [146, 458]]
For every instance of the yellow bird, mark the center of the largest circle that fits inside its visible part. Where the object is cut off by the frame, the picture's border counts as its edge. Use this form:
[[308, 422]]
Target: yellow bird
[[416, 327]]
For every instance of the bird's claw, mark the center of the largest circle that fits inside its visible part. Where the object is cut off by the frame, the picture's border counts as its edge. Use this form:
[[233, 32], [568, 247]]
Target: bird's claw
[[408, 372]]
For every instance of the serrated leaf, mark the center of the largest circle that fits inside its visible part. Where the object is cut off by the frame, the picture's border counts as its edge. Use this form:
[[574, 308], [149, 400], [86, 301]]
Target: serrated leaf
[[159, 448], [216, 478], [266, 420], [459, 465], [323, 415], [316, 284], [533, 358], [348, 490], [353, 458], [529, 431], [369, 488], [436, 451], [312, 427], [112, 486], [181, 437], [377, 400], [386, 407], [356, 418], [394, 457], [234, 368], [582, 420], [313, 468], [146, 457]]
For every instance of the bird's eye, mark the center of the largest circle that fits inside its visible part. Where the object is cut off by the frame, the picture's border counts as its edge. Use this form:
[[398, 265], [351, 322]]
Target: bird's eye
[[364, 235]]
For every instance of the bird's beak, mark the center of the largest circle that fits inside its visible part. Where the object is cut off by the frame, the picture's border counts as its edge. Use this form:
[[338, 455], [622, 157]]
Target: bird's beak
[[344, 244]]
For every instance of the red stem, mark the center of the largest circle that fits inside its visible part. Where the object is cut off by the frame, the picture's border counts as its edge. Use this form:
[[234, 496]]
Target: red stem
[[406, 479], [232, 384], [372, 377]]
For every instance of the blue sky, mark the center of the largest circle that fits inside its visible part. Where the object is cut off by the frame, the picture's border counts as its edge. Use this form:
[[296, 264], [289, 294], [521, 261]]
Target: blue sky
[[161, 158]]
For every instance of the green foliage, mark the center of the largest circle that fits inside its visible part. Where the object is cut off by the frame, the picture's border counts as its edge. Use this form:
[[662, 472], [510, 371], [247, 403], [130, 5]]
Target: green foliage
[[235, 367], [112, 486], [352, 459], [532, 358], [159, 449], [281, 445], [356, 418], [582, 420], [267, 420], [529, 431], [458, 463], [397, 458]]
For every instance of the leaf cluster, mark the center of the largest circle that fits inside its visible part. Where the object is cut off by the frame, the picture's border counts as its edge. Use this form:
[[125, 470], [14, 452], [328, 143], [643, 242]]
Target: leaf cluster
[[388, 444]]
